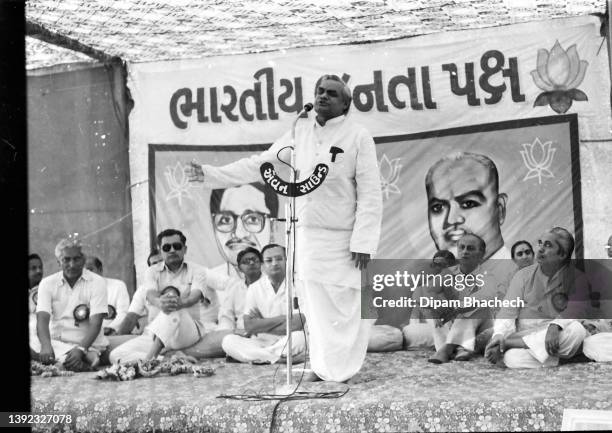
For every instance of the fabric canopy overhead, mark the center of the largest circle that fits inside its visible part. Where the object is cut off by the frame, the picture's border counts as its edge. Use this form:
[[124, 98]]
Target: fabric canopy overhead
[[154, 30]]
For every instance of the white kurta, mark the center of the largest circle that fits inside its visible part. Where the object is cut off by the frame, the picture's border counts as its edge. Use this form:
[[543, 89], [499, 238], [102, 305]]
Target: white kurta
[[342, 216], [264, 347], [119, 298]]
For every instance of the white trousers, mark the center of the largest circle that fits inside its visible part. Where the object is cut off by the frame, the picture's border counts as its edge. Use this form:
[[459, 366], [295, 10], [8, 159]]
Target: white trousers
[[570, 339], [419, 334], [263, 347], [598, 347], [385, 338], [338, 335], [176, 330]]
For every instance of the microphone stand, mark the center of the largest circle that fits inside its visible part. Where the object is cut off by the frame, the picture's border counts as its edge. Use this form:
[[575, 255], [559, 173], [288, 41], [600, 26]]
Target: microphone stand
[[290, 221]]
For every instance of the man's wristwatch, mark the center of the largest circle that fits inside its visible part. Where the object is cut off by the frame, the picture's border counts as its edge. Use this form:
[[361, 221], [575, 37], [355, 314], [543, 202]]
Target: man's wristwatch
[[82, 349]]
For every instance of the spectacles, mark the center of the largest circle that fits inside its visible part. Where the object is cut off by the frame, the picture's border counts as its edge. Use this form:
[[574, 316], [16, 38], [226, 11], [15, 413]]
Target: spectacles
[[176, 245], [253, 222], [250, 260], [274, 259]]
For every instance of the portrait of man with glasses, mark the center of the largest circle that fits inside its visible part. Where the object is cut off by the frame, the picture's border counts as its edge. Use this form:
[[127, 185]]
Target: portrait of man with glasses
[[242, 217]]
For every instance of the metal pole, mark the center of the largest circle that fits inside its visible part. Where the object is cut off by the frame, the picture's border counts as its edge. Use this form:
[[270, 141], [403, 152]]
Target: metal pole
[[609, 41], [289, 242], [289, 283]]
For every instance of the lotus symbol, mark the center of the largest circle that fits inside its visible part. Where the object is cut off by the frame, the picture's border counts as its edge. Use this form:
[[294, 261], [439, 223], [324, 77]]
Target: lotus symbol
[[559, 73], [538, 167], [389, 175], [178, 182]]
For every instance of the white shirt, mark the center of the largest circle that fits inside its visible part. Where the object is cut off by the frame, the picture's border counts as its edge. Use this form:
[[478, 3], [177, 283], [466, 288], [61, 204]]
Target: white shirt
[[261, 296], [119, 298], [189, 277], [56, 297], [231, 309], [344, 214]]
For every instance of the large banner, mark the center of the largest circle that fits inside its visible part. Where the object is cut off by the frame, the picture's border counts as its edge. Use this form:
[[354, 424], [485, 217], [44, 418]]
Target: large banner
[[508, 106]]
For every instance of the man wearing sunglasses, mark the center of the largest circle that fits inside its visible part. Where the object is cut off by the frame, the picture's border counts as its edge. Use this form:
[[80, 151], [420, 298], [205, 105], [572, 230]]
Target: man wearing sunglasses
[[338, 225], [180, 325], [231, 307]]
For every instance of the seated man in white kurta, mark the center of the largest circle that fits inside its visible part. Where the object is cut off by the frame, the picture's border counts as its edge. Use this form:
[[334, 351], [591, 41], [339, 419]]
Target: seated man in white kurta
[[418, 333], [231, 308], [265, 320], [178, 325], [118, 297], [338, 224], [537, 335], [69, 313], [456, 338]]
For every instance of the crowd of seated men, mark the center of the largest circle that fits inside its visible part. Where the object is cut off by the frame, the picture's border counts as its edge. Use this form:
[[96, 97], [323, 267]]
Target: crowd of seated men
[[83, 320]]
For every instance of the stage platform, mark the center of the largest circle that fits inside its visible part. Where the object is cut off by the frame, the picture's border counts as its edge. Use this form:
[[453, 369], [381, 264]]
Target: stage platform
[[397, 391]]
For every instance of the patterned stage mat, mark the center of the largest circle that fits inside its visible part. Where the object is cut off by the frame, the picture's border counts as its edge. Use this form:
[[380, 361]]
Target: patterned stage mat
[[397, 391]]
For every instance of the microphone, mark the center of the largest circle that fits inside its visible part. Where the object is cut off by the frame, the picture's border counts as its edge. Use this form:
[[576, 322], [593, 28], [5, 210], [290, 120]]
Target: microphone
[[302, 113]]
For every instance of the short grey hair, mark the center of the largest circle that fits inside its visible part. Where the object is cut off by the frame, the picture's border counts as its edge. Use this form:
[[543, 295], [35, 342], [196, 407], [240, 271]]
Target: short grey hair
[[347, 95], [67, 243], [565, 241]]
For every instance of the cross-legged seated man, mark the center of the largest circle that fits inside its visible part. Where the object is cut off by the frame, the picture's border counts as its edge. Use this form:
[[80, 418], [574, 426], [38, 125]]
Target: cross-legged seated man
[[139, 313], [265, 320], [71, 306], [455, 333], [418, 333], [178, 325], [536, 335], [231, 309]]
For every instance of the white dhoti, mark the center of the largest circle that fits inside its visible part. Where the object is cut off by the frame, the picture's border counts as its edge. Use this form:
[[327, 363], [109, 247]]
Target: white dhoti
[[264, 347], [338, 335], [535, 356], [460, 331], [329, 288], [60, 348]]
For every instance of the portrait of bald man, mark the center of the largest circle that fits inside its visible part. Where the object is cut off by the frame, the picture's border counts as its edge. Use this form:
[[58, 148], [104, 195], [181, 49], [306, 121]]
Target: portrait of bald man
[[463, 197]]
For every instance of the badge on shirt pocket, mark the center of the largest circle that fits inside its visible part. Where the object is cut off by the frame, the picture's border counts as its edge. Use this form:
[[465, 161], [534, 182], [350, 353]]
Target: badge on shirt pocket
[[336, 155]]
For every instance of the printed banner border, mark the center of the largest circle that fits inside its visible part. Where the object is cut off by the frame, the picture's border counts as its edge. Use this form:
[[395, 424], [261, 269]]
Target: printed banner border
[[570, 119]]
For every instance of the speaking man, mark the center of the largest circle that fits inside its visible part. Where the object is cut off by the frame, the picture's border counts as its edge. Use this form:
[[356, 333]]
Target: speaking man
[[338, 225]]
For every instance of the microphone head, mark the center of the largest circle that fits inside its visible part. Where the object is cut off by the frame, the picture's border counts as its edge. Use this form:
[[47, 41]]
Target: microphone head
[[308, 107]]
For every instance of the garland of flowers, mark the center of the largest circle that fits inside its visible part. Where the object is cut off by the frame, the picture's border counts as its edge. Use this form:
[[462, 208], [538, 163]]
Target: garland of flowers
[[42, 370], [152, 368]]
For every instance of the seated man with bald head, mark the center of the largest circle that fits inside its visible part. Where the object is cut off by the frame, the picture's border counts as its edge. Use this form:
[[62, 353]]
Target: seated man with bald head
[[537, 335]]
